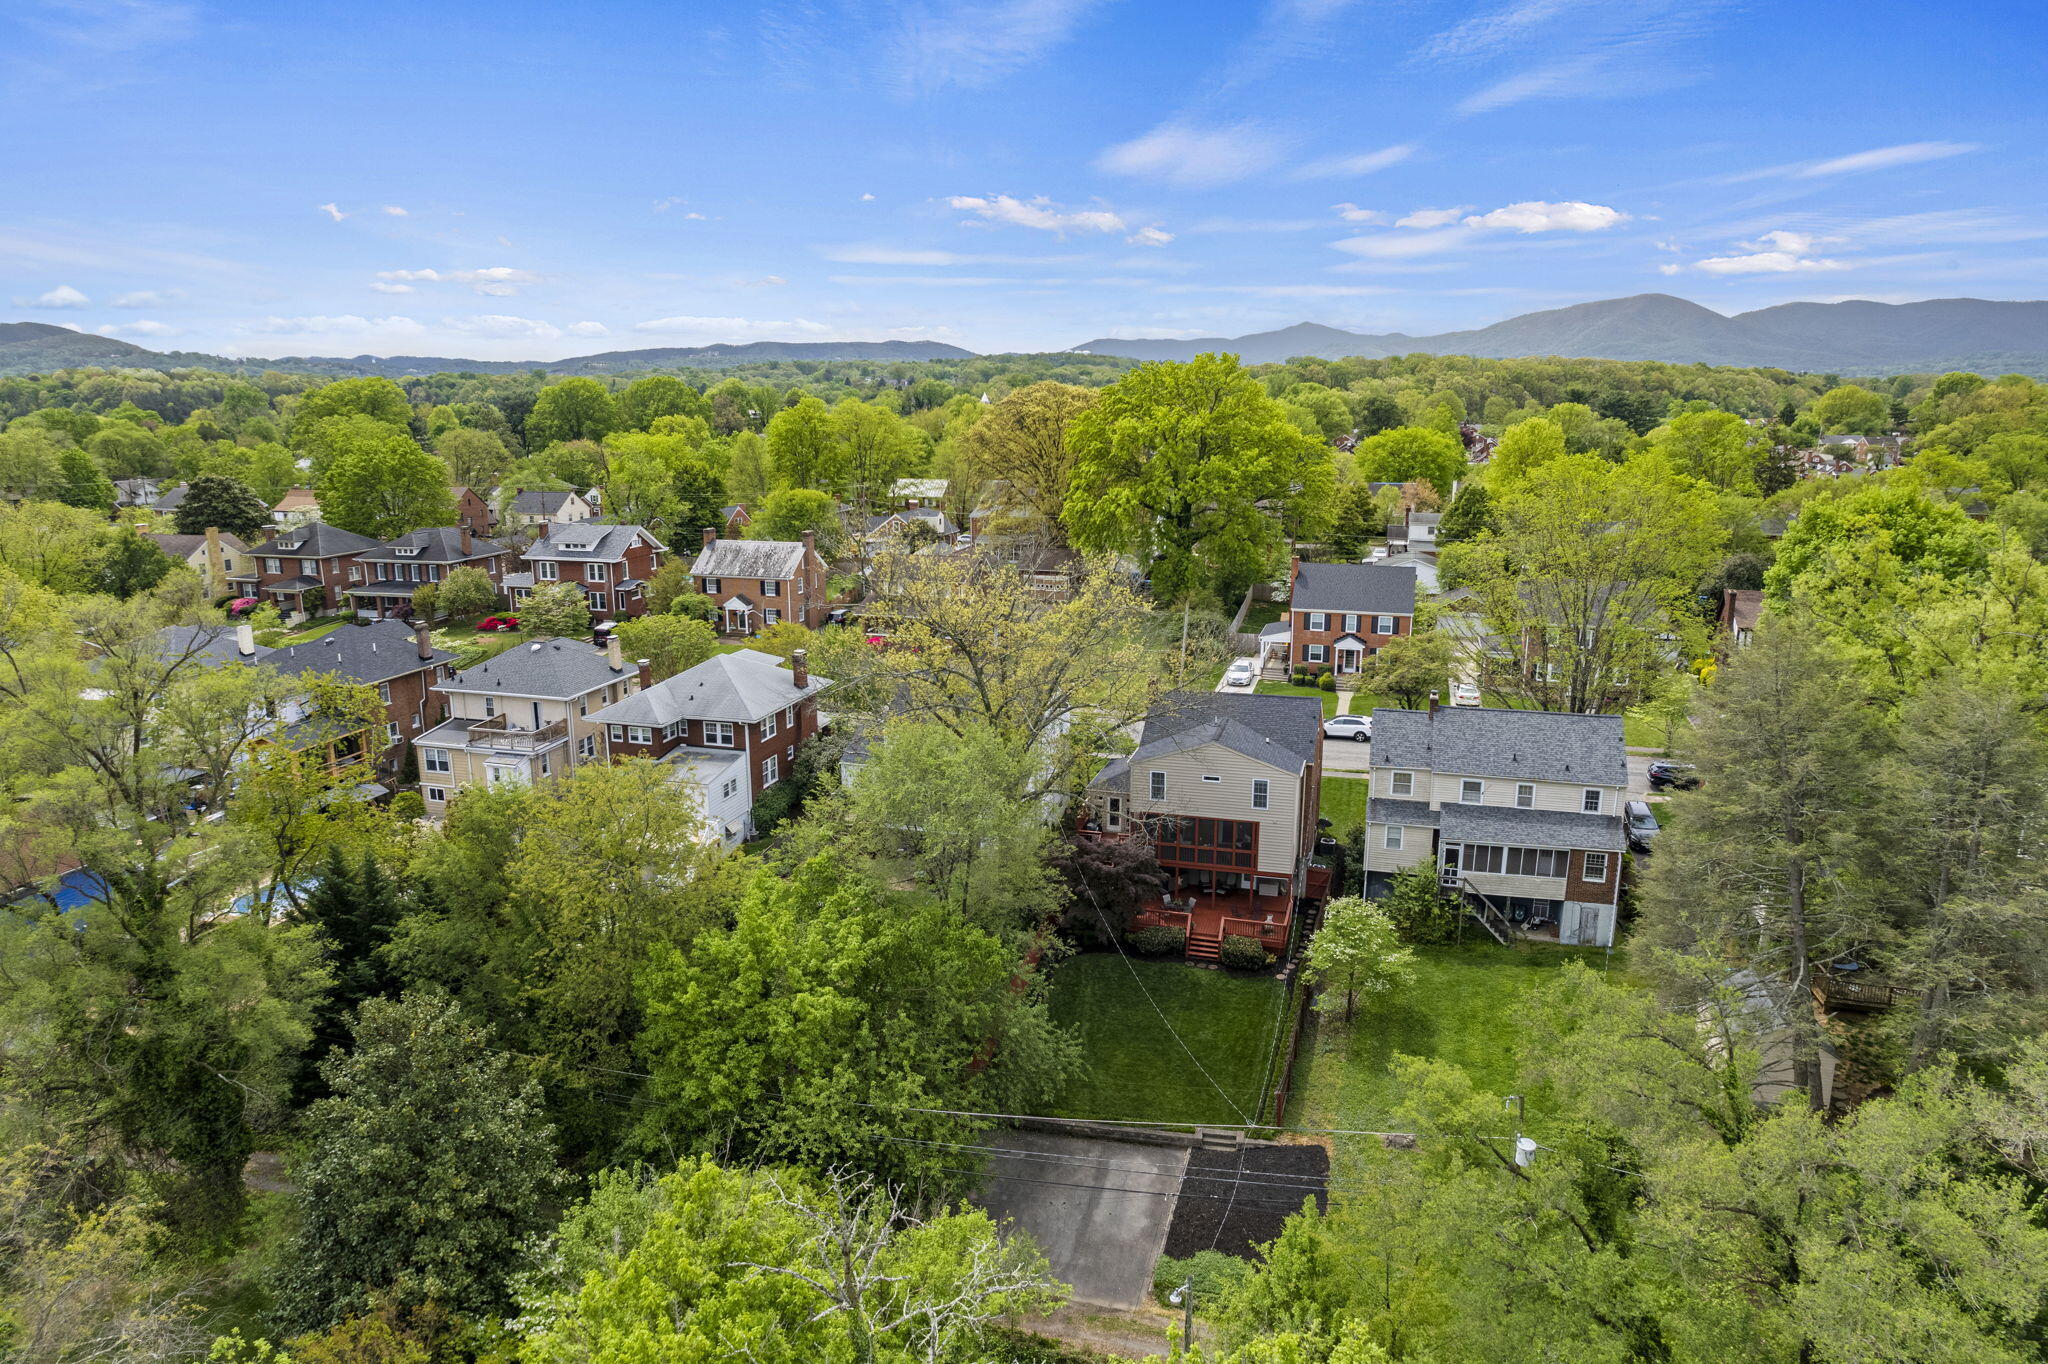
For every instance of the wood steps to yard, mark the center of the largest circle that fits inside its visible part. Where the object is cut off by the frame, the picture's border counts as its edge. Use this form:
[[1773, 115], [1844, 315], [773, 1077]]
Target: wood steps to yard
[[1204, 949]]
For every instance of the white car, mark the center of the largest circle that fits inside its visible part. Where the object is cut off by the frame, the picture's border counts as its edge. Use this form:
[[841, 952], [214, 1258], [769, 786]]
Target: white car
[[1464, 694], [1240, 673], [1357, 728]]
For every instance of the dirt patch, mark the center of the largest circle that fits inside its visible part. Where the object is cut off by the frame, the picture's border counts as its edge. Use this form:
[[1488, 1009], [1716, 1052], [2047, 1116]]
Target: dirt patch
[[1234, 1200], [1100, 1334], [264, 1173]]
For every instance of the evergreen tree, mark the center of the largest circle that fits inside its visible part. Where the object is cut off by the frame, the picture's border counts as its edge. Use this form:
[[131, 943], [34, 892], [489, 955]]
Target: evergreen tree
[[219, 501], [355, 910]]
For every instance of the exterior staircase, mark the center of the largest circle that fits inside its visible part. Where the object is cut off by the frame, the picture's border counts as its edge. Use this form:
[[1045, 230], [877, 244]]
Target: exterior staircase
[[1481, 910], [1201, 948]]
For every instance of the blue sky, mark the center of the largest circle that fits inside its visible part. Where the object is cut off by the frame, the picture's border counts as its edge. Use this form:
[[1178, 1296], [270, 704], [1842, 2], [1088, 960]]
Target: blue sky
[[525, 180]]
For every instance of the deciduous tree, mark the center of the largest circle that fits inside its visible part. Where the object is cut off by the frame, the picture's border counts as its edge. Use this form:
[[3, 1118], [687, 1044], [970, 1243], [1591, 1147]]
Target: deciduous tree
[[380, 483], [1020, 444], [574, 409], [1356, 951], [555, 609], [671, 644]]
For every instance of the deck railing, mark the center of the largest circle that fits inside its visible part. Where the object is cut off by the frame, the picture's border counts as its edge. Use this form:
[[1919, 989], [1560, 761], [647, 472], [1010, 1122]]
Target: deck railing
[[498, 733]]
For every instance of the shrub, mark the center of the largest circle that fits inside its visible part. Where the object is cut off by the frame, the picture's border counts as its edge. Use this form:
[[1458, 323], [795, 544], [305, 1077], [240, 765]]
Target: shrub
[[773, 807], [1213, 1274], [1328, 682], [408, 805], [1159, 940], [696, 606], [1242, 954]]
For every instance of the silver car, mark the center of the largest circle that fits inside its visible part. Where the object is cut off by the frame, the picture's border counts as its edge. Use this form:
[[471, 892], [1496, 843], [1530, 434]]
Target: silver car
[[1357, 728], [1240, 673]]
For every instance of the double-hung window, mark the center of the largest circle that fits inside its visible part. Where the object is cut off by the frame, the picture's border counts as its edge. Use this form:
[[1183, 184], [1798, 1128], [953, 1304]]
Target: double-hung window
[[1318, 620], [273, 565], [1525, 796], [771, 771], [1394, 832], [618, 734], [390, 733], [598, 601], [768, 726], [1262, 794], [435, 759], [718, 733], [771, 587], [1159, 786], [1596, 866], [1350, 622], [1401, 784], [639, 734], [789, 717], [1383, 625], [1590, 801], [711, 587], [547, 570], [490, 706], [1471, 791], [596, 573], [437, 793], [1318, 653], [384, 692]]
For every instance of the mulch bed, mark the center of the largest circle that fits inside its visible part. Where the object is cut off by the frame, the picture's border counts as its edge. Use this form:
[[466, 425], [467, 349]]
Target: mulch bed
[[1234, 1200]]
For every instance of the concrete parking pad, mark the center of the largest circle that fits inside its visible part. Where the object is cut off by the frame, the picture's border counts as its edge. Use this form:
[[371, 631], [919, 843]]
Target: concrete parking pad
[[1098, 1209]]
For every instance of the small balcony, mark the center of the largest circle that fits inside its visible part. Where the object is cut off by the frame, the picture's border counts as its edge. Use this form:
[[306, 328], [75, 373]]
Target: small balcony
[[500, 735]]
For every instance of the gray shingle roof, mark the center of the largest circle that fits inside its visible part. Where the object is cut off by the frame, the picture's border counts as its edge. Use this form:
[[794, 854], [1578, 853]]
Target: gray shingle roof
[[170, 501], [547, 667], [1483, 742], [316, 540], [436, 545], [541, 501], [1384, 811], [1530, 828], [376, 652], [780, 560], [742, 686], [1368, 589], [1281, 730], [590, 541], [214, 643]]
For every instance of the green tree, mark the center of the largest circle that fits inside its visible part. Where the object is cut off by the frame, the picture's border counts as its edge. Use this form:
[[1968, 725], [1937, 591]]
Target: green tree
[[353, 907], [1852, 409], [1525, 447], [1020, 444], [1411, 454], [230, 505], [672, 644], [1469, 516], [1716, 447], [380, 483], [128, 564], [475, 459], [31, 463], [1356, 951], [126, 451], [468, 592], [671, 581], [658, 395], [429, 1167], [1176, 463], [1411, 667], [789, 512], [574, 409], [81, 482], [557, 610], [1357, 523], [379, 399], [638, 489], [804, 449], [879, 447]]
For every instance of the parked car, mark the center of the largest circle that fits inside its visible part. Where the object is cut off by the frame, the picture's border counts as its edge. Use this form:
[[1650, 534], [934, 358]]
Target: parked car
[[1357, 728], [1667, 775], [1642, 825], [1240, 673], [1464, 694], [498, 623]]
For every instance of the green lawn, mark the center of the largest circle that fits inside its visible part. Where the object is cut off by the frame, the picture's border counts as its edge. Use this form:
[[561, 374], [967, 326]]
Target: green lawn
[[1135, 1069], [1344, 802], [308, 631], [1328, 698], [1263, 613], [1466, 1005], [1640, 731]]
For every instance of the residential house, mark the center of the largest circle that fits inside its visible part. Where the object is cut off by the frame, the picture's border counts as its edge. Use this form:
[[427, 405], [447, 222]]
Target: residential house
[[217, 556], [297, 507], [1227, 788], [737, 519], [305, 569], [732, 724], [473, 511], [398, 660], [1740, 608], [522, 716], [1521, 809], [1415, 534], [1339, 615], [878, 530], [908, 493], [170, 500], [385, 577], [759, 583], [545, 506], [610, 563], [137, 492]]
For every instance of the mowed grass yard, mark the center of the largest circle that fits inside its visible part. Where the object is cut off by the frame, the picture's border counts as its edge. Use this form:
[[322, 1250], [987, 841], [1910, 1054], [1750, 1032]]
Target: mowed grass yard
[[1467, 1006], [1343, 802], [1134, 1068]]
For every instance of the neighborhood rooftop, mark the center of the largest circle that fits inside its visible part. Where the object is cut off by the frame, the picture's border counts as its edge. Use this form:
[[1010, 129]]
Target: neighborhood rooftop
[[435, 545], [590, 540], [1280, 730], [545, 667], [777, 560], [1364, 589], [1532, 744], [741, 686], [316, 540], [371, 653]]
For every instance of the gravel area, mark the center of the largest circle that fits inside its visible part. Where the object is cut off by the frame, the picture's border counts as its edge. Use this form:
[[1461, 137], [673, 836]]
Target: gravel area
[[1234, 1200]]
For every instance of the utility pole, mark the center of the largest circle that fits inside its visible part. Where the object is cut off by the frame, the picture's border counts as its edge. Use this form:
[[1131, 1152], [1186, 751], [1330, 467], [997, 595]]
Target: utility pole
[[1184, 1298]]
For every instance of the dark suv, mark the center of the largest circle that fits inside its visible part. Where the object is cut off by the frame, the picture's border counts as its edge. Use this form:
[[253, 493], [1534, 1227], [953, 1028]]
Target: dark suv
[[1642, 825], [1670, 776]]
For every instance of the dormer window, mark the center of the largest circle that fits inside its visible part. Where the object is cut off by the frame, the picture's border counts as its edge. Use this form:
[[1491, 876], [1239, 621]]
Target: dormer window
[[407, 550]]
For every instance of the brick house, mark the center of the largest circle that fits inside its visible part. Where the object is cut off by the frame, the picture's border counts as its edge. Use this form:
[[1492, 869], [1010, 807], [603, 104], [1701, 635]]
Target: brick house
[[759, 583], [384, 578], [398, 660], [1228, 787], [880, 530], [473, 511], [737, 519], [742, 705], [304, 569], [1339, 615], [1521, 809], [521, 717], [610, 563]]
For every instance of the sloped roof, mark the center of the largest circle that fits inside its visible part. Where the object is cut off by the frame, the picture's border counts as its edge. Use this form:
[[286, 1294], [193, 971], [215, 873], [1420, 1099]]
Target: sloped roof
[[1282, 731], [918, 487], [315, 540], [591, 541], [214, 643], [436, 545], [776, 559], [296, 498], [1366, 589], [1482, 741], [741, 686], [931, 516], [551, 667], [185, 546], [170, 501], [376, 652], [1530, 828], [1384, 810], [541, 501]]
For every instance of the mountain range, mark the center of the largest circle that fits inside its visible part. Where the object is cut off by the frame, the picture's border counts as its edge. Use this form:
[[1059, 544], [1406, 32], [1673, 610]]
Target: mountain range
[[1853, 337], [38, 347]]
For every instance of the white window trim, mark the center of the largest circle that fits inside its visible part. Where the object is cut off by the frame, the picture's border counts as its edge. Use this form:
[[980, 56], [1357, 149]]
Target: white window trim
[[1468, 795], [1317, 653], [718, 734], [1525, 796], [1589, 878], [768, 725], [1383, 625], [1318, 620], [1158, 785], [1592, 800], [771, 771], [1350, 622], [438, 794], [1262, 794], [1401, 783], [547, 571], [1393, 839]]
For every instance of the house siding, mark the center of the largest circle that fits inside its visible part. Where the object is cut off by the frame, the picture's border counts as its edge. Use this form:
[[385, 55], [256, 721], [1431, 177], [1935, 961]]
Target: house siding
[[1281, 828]]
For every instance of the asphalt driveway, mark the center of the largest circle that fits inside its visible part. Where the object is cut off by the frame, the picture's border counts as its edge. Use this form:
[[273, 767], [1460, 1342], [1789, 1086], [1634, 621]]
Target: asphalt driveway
[[1098, 1209]]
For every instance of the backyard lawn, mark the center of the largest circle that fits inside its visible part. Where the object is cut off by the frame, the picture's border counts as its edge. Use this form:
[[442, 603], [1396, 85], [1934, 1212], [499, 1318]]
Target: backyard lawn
[[305, 632], [1465, 1006], [1640, 730], [1344, 802], [1134, 1068], [1328, 698]]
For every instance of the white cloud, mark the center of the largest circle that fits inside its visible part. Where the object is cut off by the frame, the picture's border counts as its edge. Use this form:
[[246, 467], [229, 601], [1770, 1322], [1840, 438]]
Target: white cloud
[[1361, 163], [1561, 49], [1149, 236], [333, 211], [867, 198], [1432, 217], [696, 218], [396, 211], [588, 329], [710, 330], [501, 327], [63, 296], [1040, 213], [1774, 253], [1195, 158], [1883, 158], [385, 286], [1280, 290], [147, 298], [664, 205], [764, 282], [974, 42], [1399, 246], [1535, 215], [875, 254], [498, 281], [1352, 213], [338, 324], [140, 327]]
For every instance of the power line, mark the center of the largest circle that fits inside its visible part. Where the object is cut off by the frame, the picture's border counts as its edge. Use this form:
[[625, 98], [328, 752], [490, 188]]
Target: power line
[[1182, 1125], [1283, 1179]]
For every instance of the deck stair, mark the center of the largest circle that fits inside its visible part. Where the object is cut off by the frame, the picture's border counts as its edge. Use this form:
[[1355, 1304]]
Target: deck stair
[[1202, 947], [1482, 910]]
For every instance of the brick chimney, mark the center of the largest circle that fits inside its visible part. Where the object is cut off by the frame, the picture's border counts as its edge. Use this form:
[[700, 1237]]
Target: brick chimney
[[468, 540], [800, 668], [1433, 700], [710, 536], [216, 562], [612, 655], [646, 667], [810, 542], [420, 639]]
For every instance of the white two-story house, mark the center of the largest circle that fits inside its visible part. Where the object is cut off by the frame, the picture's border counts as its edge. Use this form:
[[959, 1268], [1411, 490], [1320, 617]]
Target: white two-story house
[[1521, 809]]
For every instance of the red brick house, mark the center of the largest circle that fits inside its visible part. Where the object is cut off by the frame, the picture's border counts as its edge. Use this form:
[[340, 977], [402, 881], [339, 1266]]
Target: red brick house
[[305, 569], [759, 583], [1339, 615], [737, 519], [610, 563], [473, 512], [386, 576], [742, 703], [397, 659]]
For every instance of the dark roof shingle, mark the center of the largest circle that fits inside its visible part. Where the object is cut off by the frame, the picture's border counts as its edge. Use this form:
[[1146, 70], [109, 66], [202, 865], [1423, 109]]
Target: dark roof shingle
[[1366, 589]]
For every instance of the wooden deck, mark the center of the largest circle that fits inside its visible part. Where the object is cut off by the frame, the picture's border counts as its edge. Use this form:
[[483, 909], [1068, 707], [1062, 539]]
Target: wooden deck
[[1217, 916]]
